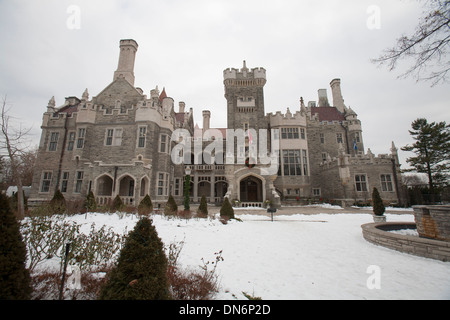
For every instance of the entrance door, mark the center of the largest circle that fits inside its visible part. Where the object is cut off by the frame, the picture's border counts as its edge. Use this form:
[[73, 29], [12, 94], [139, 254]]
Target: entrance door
[[251, 190]]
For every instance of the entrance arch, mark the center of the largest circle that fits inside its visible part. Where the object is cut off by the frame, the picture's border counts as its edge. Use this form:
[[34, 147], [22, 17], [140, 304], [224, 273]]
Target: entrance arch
[[251, 189]]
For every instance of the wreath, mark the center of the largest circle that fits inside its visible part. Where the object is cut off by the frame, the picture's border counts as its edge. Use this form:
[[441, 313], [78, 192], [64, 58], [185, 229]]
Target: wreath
[[247, 163]]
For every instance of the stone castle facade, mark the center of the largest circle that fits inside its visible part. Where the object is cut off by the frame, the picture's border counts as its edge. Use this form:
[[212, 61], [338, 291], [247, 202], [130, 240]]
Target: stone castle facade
[[120, 143]]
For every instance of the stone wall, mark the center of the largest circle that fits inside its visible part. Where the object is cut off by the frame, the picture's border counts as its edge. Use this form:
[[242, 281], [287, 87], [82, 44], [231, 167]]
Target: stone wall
[[377, 234], [433, 221]]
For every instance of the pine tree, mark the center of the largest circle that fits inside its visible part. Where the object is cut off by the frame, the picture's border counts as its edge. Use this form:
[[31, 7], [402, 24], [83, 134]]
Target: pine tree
[[117, 204], [141, 271], [171, 207], [378, 206], [145, 206], [227, 210], [15, 278], [58, 203], [91, 204], [203, 208]]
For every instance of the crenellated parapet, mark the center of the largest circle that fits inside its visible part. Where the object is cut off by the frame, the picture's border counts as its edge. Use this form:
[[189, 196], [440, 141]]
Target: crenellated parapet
[[244, 76], [287, 119]]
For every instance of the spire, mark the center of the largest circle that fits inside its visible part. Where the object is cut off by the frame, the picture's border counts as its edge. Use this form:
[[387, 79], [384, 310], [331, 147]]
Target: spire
[[85, 95], [163, 94], [51, 102]]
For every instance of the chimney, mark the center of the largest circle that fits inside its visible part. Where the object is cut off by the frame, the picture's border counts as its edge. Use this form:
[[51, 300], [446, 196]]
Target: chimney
[[125, 69], [182, 105], [206, 118], [323, 98], [338, 100]]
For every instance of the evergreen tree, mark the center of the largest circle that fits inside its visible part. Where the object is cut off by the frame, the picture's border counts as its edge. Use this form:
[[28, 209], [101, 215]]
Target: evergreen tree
[[91, 204], [203, 208], [146, 205], [171, 207], [187, 189], [14, 277], [117, 204], [432, 149], [141, 271], [377, 202], [58, 203], [227, 210]]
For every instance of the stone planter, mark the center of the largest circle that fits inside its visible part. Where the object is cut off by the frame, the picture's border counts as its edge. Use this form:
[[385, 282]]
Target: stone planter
[[378, 219]]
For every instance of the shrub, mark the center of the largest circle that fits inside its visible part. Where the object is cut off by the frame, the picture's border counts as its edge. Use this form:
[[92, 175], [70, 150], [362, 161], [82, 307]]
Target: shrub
[[145, 206], [91, 204], [226, 211], [141, 271], [378, 206], [171, 207], [58, 203], [117, 204], [203, 208], [15, 278]]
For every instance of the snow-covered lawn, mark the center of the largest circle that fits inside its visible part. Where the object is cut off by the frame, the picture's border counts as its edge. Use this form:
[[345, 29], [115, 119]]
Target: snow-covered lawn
[[322, 256]]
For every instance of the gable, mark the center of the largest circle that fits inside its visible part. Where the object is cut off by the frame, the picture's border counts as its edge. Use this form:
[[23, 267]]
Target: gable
[[119, 89]]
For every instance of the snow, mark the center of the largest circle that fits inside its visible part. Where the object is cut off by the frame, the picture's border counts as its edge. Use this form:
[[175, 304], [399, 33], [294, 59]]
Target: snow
[[320, 256]]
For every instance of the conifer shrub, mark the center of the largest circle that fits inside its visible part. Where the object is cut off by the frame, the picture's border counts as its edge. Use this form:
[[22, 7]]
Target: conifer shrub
[[378, 206], [141, 270], [226, 211], [202, 210], [58, 203], [145, 206], [117, 204], [171, 207], [15, 278], [91, 204]]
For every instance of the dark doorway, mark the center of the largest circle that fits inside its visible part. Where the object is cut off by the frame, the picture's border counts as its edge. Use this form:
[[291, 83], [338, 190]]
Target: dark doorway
[[251, 189]]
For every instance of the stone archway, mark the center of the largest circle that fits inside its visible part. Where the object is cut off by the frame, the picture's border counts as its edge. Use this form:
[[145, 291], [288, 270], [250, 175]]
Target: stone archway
[[251, 189]]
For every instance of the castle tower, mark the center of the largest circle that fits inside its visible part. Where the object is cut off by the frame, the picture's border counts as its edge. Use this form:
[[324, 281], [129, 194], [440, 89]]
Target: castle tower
[[206, 119], [244, 91], [125, 69], [338, 100]]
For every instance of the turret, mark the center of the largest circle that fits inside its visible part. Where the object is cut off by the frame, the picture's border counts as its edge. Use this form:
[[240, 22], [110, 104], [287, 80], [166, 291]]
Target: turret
[[125, 69], [206, 119], [338, 100]]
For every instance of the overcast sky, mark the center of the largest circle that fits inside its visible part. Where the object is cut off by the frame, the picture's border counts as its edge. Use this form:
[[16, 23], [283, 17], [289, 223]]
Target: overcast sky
[[59, 48]]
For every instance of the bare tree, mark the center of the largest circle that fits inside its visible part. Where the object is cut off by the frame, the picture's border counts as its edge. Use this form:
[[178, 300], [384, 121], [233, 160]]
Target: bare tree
[[429, 46], [13, 142]]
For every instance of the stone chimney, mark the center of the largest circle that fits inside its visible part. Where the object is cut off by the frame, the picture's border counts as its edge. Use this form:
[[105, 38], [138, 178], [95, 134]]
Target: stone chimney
[[125, 69], [338, 100], [323, 98], [206, 118], [181, 105]]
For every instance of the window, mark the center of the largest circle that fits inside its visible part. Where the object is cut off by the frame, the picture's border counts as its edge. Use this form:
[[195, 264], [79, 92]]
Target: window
[[163, 181], [289, 133], [322, 138], [386, 183], [79, 181], [113, 137], [53, 141], [177, 186], [163, 144], [71, 141], [303, 134], [141, 137], [46, 180], [305, 162], [64, 182], [81, 135], [324, 156], [291, 163], [357, 137], [339, 138], [361, 182], [316, 192]]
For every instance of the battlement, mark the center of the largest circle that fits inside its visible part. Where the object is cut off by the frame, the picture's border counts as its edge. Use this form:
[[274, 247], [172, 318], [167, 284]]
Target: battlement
[[244, 73], [280, 119]]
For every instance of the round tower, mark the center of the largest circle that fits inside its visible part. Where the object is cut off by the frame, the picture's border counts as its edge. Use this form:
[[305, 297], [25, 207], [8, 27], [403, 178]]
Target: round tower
[[125, 69]]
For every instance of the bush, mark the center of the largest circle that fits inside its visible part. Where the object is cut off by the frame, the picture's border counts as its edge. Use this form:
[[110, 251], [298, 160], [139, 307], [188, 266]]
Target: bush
[[378, 206], [171, 207], [91, 204], [141, 271], [226, 212], [145, 206], [58, 203], [15, 278], [117, 204], [203, 208]]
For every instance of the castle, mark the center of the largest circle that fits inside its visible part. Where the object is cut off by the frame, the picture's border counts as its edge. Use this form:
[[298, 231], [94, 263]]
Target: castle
[[122, 142]]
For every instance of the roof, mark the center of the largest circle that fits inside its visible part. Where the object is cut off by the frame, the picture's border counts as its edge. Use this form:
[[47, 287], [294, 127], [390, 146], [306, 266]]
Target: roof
[[327, 113], [163, 95]]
